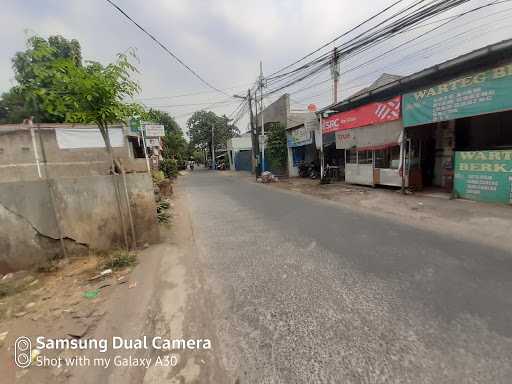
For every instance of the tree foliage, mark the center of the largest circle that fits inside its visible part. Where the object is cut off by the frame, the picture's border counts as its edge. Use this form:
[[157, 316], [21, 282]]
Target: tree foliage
[[16, 104], [200, 130], [88, 93], [276, 149]]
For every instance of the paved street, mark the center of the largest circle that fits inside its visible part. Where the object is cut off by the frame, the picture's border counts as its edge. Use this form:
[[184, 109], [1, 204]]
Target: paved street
[[305, 291]]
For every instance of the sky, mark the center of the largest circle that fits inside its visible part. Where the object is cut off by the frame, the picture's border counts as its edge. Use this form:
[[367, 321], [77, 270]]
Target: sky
[[225, 40]]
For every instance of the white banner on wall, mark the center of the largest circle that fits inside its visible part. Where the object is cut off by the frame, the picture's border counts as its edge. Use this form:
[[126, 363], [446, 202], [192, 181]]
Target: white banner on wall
[[75, 138]]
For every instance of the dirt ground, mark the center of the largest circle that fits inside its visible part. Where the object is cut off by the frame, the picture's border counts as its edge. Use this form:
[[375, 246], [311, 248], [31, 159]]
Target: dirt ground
[[489, 224], [54, 304]]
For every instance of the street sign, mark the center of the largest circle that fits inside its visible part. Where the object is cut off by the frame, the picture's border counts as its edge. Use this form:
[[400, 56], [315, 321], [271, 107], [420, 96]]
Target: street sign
[[135, 125], [154, 130], [153, 142]]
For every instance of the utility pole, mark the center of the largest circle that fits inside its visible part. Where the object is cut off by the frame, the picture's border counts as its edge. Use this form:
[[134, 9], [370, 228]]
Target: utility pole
[[214, 165], [335, 73], [261, 81], [254, 134]]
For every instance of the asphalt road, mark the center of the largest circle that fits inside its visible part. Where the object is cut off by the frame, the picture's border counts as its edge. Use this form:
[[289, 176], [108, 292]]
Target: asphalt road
[[305, 291]]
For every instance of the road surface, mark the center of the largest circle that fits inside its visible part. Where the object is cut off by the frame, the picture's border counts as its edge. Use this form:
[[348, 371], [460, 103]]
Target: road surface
[[293, 289], [305, 291]]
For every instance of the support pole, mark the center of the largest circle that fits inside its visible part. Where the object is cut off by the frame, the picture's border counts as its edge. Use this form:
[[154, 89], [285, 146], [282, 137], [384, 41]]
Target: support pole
[[145, 151], [214, 162], [254, 137], [262, 122], [322, 164], [335, 75]]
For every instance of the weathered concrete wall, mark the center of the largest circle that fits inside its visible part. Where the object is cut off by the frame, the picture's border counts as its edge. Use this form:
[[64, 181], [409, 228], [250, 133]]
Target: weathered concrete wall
[[19, 148], [276, 112], [88, 214]]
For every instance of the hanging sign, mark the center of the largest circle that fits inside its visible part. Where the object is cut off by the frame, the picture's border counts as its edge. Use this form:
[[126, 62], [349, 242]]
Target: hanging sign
[[154, 130], [369, 114], [484, 175], [153, 142], [299, 137], [482, 92]]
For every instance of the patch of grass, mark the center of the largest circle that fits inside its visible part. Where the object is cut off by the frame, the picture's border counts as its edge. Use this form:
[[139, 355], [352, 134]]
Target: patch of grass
[[161, 211], [119, 259]]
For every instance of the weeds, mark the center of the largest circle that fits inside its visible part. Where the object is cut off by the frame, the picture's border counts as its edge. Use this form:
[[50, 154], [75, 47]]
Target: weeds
[[161, 211], [119, 259]]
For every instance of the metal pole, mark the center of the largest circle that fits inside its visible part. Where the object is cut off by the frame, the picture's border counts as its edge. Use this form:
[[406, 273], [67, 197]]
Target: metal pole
[[214, 163], [36, 154], [145, 151], [402, 160], [322, 166], [335, 75], [262, 122]]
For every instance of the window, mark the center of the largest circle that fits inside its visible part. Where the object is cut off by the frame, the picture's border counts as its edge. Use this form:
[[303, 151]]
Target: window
[[365, 157]]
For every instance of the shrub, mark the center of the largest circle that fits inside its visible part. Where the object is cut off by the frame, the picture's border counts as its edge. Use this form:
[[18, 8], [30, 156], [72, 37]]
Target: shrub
[[169, 167], [158, 176], [119, 259]]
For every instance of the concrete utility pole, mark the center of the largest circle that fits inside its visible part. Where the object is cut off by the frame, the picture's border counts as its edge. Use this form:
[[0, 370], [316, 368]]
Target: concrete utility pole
[[261, 81], [214, 165], [254, 134], [335, 73]]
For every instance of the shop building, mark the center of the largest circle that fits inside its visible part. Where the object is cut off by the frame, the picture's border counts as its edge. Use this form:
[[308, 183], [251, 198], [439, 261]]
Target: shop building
[[370, 138], [302, 140], [456, 118]]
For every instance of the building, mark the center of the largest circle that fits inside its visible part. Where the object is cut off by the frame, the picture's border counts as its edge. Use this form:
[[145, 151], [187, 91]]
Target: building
[[456, 120], [240, 152], [302, 140], [296, 124]]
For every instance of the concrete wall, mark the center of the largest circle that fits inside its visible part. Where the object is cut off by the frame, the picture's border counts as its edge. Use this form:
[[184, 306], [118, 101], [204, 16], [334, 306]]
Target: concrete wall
[[87, 212], [276, 112], [20, 146]]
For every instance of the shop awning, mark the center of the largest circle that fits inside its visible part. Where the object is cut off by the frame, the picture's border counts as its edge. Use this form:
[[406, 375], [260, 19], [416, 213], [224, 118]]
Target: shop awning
[[372, 137]]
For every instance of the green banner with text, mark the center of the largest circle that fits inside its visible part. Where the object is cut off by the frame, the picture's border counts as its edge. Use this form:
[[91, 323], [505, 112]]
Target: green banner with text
[[482, 92], [484, 176]]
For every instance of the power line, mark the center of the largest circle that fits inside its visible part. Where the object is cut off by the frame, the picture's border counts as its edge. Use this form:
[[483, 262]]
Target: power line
[[166, 49], [352, 48], [195, 93], [192, 104], [338, 37]]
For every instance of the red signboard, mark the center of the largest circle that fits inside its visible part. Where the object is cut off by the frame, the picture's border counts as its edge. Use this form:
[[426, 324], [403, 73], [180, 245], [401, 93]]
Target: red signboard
[[369, 114]]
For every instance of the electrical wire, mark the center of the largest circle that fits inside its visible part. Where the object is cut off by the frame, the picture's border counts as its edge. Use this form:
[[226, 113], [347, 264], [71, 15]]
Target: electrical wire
[[166, 49]]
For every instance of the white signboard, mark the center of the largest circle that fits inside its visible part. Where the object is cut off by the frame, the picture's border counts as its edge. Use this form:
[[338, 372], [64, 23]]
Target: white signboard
[[75, 138], [154, 130], [153, 142]]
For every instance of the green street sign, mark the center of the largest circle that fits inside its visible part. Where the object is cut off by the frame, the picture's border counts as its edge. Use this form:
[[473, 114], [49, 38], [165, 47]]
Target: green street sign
[[484, 176], [475, 94], [135, 125]]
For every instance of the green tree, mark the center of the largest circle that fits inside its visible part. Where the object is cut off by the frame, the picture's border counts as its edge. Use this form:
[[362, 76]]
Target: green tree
[[15, 104], [276, 149], [200, 130], [175, 145], [90, 93]]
